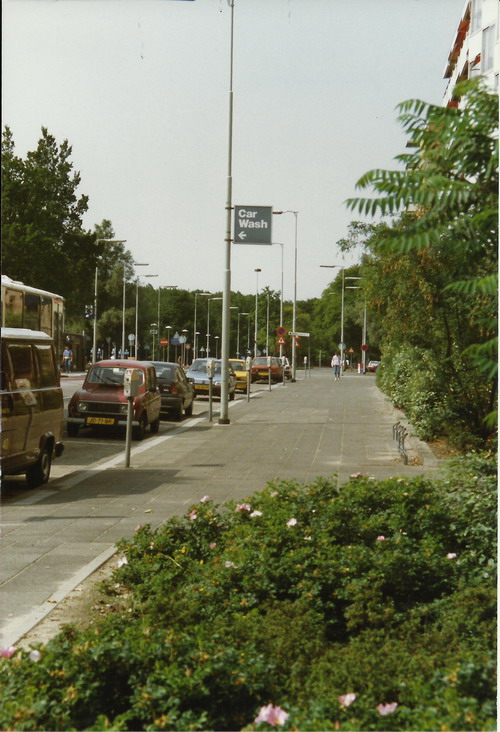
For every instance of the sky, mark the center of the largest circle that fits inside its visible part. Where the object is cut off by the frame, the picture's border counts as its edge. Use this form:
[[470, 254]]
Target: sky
[[140, 89]]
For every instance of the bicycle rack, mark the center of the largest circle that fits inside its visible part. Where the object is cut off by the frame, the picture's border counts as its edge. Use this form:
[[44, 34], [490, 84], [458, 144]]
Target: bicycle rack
[[399, 433]]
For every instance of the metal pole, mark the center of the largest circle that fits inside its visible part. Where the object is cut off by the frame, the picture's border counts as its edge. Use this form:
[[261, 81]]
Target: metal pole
[[256, 313], [123, 314], [224, 395], [363, 357], [342, 328], [294, 343], [136, 315], [94, 339]]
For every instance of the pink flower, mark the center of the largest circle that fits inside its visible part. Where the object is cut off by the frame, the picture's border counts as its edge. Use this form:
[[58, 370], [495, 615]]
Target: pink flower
[[138, 528], [243, 507], [272, 715], [384, 709], [292, 522], [451, 555], [356, 475], [347, 699], [193, 515], [212, 544], [35, 656], [8, 652], [204, 499], [380, 538]]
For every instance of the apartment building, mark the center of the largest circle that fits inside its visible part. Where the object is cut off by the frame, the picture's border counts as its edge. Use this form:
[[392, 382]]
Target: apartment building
[[475, 49]]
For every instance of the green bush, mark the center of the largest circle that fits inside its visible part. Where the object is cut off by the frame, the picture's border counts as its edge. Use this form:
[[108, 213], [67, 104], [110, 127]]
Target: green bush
[[296, 597]]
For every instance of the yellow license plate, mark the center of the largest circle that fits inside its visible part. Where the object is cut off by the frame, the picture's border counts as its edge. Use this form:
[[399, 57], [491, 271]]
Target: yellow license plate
[[202, 387], [263, 373], [100, 420]]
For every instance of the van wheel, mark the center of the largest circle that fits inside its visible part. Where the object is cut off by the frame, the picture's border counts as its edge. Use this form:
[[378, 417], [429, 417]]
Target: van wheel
[[139, 431], [72, 429], [39, 473], [155, 426]]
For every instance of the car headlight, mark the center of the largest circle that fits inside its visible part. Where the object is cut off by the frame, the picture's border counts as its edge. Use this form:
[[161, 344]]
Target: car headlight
[[82, 406]]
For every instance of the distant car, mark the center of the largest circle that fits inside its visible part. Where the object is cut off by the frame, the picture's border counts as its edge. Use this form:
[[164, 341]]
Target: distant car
[[260, 369], [240, 371], [176, 391], [198, 373], [373, 365], [101, 402]]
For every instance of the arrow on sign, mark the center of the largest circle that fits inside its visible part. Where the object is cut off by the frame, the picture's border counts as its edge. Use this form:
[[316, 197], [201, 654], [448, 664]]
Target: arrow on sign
[[242, 235]]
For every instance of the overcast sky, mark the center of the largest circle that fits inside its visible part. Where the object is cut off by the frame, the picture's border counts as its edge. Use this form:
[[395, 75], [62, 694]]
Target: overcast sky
[[139, 88]]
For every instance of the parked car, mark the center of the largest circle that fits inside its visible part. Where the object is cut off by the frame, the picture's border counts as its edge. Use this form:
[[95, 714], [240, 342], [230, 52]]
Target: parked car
[[373, 365], [198, 373], [176, 391], [101, 402], [240, 371], [260, 369], [32, 405]]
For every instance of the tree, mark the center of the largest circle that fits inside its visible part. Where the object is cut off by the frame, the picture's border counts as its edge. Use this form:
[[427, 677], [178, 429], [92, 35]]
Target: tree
[[44, 243], [432, 274]]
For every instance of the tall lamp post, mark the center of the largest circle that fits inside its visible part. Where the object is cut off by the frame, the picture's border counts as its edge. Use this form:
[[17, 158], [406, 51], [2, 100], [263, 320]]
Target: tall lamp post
[[196, 334], [294, 317], [256, 311], [137, 311], [363, 336], [342, 344], [94, 333], [208, 322], [168, 328], [281, 293], [238, 335]]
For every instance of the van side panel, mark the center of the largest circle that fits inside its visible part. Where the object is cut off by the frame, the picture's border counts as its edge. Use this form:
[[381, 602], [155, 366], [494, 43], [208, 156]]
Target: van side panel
[[32, 402]]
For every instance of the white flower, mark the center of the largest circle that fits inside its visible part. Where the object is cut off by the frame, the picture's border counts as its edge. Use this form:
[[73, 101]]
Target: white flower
[[121, 562], [292, 522], [204, 499], [254, 514], [35, 656]]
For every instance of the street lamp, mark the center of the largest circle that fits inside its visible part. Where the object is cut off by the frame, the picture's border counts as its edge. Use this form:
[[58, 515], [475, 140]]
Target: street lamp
[[363, 336], [168, 328], [137, 310], [216, 338], [208, 322], [256, 311], [196, 334], [233, 307], [342, 344], [238, 335], [294, 317], [165, 287], [94, 334], [281, 294]]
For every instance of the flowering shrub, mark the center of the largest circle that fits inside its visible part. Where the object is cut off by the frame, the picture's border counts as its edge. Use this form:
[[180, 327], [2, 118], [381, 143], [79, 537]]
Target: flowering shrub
[[365, 607]]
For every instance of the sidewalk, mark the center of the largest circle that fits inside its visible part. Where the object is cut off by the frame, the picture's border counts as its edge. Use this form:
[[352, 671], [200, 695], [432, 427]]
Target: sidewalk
[[313, 427]]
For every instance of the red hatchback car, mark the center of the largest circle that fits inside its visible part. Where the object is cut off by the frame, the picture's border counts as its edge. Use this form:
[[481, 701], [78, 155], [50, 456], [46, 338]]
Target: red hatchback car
[[101, 402], [260, 369]]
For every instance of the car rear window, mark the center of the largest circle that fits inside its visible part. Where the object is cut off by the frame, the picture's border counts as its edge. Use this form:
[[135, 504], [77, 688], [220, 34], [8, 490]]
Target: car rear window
[[165, 372], [110, 375]]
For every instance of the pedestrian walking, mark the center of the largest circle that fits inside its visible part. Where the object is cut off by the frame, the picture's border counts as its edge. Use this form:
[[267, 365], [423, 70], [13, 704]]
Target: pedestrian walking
[[68, 359], [336, 366]]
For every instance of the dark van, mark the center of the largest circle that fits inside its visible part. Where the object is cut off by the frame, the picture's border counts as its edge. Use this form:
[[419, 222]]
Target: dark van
[[32, 405]]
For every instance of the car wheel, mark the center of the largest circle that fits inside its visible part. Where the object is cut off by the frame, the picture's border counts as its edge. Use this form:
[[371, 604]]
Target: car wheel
[[178, 414], [39, 473], [139, 431], [155, 426], [72, 429], [189, 410]]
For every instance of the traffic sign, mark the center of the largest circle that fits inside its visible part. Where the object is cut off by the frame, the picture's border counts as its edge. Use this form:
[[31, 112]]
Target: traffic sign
[[163, 341], [281, 331], [305, 335], [281, 341], [252, 224], [364, 347]]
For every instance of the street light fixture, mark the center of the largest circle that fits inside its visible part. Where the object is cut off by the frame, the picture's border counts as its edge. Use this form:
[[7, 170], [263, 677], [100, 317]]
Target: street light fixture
[[168, 328], [94, 334], [137, 310], [196, 334], [238, 335], [256, 311], [294, 317], [208, 323]]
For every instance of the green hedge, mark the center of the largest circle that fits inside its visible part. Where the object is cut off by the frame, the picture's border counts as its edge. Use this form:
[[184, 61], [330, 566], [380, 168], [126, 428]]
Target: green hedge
[[365, 607]]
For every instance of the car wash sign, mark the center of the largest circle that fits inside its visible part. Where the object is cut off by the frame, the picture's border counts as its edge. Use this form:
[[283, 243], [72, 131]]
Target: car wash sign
[[252, 224]]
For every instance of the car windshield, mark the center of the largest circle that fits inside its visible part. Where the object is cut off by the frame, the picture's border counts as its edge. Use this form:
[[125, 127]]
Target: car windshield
[[202, 366], [110, 375], [164, 371]]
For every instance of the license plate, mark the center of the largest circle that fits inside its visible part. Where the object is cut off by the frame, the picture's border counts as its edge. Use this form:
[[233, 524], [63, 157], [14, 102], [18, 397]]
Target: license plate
[[100, 420], [202, 387], [263, 373]]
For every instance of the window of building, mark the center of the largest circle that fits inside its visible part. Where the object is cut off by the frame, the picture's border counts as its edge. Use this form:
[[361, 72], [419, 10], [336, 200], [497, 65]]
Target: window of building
[[488, 49], [476, 15]]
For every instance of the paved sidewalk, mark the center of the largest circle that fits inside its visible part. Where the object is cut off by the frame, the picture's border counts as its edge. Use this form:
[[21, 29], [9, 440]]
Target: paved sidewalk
[[315, 427]]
